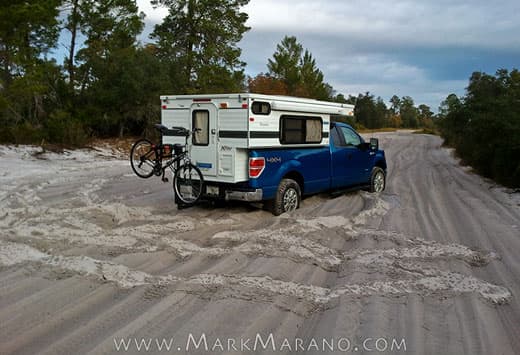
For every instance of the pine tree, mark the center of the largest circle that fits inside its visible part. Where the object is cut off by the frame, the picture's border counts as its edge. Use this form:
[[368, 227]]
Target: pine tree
[[198, 40], [298, 70], [28, 30], [285, 64]]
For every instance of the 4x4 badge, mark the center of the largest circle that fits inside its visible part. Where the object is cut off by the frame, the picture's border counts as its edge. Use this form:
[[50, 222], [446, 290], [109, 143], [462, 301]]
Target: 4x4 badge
[[274, 160]]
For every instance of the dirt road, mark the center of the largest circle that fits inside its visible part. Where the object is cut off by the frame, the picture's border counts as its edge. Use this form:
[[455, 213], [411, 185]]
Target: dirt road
[[95, 260]]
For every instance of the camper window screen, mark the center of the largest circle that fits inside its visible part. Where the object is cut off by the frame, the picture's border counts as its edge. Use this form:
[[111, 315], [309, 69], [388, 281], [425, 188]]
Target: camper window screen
[[201, 122], [261, 108], [301, 130]]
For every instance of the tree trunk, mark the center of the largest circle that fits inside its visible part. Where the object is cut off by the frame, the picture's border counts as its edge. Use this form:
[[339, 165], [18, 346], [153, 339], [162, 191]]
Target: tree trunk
[[189, 44], [121, 129], [73, 28], [6, 69]]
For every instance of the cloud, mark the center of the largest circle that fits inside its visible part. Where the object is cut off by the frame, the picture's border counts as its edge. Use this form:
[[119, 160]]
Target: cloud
[[351, 71], [153, 15], [425, 49], [401, 22]]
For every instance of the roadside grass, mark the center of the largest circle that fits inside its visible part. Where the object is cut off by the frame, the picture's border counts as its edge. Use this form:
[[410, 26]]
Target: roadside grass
[[119, 146], [376, 130], [123, 145], [392, 129], [428, 131]]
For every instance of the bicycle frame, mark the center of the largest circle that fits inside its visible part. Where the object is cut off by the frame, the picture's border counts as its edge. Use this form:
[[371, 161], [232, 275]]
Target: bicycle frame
[[174, 159], [187, 178]]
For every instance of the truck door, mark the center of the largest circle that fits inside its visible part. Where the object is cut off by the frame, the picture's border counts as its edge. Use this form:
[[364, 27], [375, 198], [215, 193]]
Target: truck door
[[349, 162], [204, 142]]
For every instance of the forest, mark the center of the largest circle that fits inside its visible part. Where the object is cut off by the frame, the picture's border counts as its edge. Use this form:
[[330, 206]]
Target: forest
[[484, 125], [108, 83]]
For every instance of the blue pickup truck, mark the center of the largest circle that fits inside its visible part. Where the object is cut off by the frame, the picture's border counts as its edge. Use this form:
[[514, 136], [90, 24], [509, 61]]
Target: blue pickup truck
[[274, 149], [288, 174]]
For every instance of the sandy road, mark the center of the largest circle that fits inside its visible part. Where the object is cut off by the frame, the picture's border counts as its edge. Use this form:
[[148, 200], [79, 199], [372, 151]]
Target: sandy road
[[90, 254]]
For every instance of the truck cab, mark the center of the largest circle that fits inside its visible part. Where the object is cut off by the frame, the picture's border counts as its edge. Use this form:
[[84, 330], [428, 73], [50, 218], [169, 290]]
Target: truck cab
[[352, 159]]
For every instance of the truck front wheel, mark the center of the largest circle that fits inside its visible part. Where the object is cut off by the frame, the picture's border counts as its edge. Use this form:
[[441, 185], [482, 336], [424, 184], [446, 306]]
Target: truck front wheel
[[377, 180], [287, 198]]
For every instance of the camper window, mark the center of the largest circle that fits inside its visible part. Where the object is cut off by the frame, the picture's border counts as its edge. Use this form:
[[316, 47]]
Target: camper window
[[200, 120], [261, 108], [300, 130]]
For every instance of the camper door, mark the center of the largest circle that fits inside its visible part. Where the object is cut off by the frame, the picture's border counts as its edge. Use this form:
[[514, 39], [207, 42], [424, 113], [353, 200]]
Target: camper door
[[204, 141]]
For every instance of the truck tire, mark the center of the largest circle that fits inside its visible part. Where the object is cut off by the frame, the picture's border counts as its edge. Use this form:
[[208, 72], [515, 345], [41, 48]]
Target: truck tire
[[288, 197], [377, 180]]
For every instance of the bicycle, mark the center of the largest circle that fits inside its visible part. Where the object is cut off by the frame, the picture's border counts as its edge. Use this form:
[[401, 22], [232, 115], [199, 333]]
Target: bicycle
[[148, 159]]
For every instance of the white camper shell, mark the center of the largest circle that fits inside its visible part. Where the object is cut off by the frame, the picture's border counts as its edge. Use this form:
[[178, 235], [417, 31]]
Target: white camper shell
[[233, 124]]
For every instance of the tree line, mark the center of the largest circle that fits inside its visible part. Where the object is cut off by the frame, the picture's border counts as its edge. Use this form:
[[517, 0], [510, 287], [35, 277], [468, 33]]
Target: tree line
[[484, 125], [108, 83]]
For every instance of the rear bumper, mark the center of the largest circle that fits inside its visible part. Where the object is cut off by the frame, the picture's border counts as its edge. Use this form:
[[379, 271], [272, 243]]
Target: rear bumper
[[228, 191], [249, 196]]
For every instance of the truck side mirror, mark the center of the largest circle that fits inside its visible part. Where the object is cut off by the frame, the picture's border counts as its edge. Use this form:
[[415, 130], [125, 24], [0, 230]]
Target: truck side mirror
[[374, 143]]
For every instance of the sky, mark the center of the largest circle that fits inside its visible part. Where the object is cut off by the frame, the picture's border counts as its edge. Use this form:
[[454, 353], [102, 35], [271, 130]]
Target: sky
[[425, 49]]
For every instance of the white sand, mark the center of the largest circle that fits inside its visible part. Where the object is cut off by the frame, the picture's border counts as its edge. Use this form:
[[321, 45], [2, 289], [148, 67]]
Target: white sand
[[88, 251]]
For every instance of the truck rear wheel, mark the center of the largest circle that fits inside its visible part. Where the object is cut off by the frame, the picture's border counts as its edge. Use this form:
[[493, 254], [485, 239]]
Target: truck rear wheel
[[288, 197]]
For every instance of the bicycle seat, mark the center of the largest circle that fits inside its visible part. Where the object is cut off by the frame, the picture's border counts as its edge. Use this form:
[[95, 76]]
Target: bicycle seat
[[161, 128], [174, 131], [179, 131]]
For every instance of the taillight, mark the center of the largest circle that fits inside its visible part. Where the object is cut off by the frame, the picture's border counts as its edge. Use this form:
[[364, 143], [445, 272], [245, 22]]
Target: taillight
[[256, 167]]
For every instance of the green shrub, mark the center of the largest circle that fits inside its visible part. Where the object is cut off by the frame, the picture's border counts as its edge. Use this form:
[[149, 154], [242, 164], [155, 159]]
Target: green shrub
[[24, 133], [64, 130]]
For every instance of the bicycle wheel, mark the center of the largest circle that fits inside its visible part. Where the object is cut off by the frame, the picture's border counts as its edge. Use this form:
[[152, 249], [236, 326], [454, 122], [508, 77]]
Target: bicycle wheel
[[188, 183], [142, 158]]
